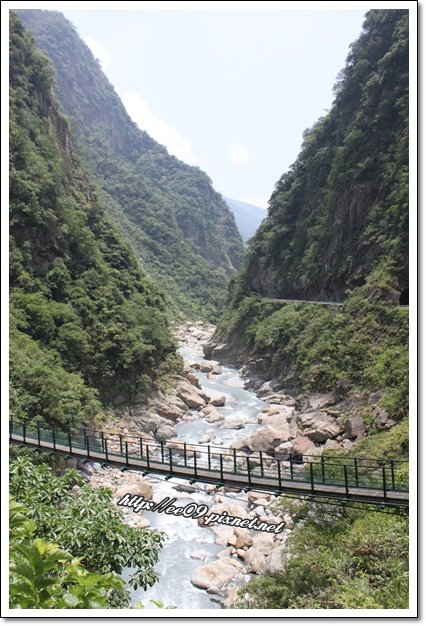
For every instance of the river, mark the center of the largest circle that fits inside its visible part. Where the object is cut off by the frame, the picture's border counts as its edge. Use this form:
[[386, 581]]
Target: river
[[185, 536]]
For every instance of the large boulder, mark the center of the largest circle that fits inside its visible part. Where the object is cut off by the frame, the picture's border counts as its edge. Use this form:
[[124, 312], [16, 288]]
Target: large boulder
[[224, 535], [165, 432], [354, 426], [321, 400], [321, 431], [275, 561], [319, 426], [192, 379], [188, 393], [170, 411], [137, 488], [266, 439], [234, 422], [212, 415], [302, 445], [278, 420], [255, 561], [244, 538], [218, 574], [215, 398], [263, 542], [207, 366]]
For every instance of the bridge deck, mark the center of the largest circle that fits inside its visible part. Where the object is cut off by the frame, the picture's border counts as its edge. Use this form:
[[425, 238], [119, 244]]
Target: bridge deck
[[251, 480]]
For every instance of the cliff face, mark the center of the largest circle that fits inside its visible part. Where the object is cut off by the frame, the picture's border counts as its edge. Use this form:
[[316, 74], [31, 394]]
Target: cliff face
[[337, 229], [180, 228], [87, 326], [339, 218]]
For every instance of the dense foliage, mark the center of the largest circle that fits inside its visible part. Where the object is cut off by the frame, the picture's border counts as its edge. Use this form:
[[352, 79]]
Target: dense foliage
[[84, 522], [308, 346], [340, 214], [87, 325], [179, 226], [338, 229], [346, 560], [44, 576], [338, 226]]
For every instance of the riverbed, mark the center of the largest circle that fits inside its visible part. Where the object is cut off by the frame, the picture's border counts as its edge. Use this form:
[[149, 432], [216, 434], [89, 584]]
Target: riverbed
[[184, 536]]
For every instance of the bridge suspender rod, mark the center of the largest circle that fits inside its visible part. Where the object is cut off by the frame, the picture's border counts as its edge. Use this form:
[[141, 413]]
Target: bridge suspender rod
[[235, 460], [345, 472], [356, 472], [279, 472], [311, 474], [248, 471], [70, 441], [209, 459], [54, 438], [261, 462], [141, 447], [127, 452], [147, 455], [87, 444], [120, 436], [24, 431], [38, 434], [170, 460], [184, 453], [384, 483], [221, 467], [195, 463], [106, 449]]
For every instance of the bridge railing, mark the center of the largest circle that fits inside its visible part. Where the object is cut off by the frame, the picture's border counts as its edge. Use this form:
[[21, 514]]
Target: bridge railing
[[385, 474]]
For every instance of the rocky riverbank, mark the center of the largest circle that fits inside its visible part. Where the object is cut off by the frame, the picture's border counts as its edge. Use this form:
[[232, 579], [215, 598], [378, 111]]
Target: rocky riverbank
[[307, 424]]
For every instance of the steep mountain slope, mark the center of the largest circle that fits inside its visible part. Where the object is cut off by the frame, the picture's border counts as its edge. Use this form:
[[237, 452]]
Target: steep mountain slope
[[179, 226], [340, 215], [87, 325], [248, 217], [337, 227]]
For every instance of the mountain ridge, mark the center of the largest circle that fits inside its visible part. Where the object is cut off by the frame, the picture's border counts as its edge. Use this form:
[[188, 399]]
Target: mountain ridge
[[247, 216], [178, 225], [87, 327]]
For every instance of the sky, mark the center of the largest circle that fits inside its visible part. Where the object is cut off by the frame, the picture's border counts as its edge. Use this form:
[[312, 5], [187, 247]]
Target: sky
[[230, 91]]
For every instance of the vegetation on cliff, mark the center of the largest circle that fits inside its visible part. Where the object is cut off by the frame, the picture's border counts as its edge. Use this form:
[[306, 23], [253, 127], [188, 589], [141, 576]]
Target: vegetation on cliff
[[178, 225], [338, 230], [338, 226], [340, 214], [87, 326], [342, 559]]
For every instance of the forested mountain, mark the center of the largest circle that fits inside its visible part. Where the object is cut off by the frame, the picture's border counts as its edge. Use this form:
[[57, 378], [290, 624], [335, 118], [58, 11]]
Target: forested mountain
[[339, 216], [181, 229], [338, 228], [87, 325], [248, 217]]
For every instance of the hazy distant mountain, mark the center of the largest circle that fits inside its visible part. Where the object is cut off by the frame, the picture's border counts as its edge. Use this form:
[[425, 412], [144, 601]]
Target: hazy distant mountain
[[247, 216]]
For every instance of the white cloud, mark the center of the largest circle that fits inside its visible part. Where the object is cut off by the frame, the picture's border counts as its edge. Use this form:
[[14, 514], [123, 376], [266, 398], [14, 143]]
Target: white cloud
[[238, 154], [99, 51], [141, 113], [259, 201]]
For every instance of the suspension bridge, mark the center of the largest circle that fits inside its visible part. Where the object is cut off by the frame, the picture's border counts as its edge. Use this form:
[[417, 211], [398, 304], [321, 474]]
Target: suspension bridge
[[381, 482]]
